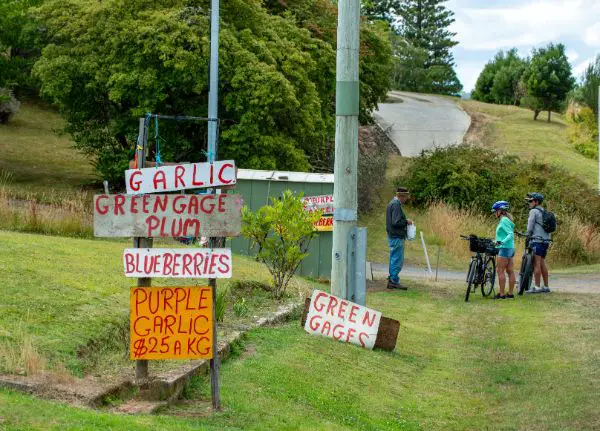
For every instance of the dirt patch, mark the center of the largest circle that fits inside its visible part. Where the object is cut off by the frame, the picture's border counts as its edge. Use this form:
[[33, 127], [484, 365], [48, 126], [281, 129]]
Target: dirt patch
[[479, 130]]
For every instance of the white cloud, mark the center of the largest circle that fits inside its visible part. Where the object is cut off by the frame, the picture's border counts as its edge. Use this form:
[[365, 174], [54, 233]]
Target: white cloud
[[591, 36], [529, 24], [580, 67], [468, 73], [572, 55]]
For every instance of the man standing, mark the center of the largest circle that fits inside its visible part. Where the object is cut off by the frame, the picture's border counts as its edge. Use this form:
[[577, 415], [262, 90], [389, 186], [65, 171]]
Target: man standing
[[396, 226], [539, 240]]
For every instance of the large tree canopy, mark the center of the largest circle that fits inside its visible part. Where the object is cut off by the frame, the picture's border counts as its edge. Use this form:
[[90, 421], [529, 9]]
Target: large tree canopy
[[109, 62]]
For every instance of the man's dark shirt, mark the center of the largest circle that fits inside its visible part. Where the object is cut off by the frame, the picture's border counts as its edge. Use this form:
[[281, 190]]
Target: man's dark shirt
[[395, 220]]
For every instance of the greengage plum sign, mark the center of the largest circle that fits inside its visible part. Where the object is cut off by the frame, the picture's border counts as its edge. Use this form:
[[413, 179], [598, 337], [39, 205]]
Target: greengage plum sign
[[342, 320], [167, 215], [180, 177]]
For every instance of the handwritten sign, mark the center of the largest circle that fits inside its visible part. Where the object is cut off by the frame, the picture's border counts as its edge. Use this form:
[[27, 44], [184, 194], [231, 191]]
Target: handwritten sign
[[167, 215], [180, 177], [171, 323], [315, 203], [324, 224], [177, 262], [333, 317]]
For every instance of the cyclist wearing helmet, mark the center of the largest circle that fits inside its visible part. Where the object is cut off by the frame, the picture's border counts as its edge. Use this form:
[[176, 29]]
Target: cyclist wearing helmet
[[505, 242], [538, 238]]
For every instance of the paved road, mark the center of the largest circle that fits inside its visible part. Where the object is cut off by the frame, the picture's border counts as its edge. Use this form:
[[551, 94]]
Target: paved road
[[584, 283], [422, 122]]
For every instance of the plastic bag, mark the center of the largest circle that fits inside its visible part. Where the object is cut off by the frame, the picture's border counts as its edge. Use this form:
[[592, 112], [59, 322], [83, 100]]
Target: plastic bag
[[411, 232]]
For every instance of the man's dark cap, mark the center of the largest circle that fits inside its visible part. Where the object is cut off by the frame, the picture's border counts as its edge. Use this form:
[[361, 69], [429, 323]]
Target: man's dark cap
[[402, 190]]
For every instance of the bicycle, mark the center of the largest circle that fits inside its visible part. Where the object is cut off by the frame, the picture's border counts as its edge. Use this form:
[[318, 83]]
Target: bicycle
[[526, 272], [482, 269]]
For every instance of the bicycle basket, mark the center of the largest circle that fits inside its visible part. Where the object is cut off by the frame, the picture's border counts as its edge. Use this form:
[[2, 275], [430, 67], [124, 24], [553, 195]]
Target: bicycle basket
[[480, 245]]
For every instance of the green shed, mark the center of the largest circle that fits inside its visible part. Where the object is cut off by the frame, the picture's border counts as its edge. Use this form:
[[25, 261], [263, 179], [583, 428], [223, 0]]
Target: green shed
[[258, 186]]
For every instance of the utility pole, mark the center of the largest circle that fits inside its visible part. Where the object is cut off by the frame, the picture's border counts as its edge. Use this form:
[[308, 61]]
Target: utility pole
[[346, 142], [598, 115], [213, 103], [213, 91]]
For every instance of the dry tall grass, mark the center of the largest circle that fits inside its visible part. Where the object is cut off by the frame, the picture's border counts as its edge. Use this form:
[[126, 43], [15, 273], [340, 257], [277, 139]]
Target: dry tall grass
[[68, 217], [575, 242], [447, 223]]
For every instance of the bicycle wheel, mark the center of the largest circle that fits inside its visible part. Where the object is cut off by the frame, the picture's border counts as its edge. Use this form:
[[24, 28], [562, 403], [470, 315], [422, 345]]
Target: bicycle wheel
[[489, 277], [526, 273], [471, 276]]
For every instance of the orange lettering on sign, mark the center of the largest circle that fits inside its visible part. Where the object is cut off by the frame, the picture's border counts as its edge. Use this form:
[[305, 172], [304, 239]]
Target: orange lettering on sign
[[171, 323]]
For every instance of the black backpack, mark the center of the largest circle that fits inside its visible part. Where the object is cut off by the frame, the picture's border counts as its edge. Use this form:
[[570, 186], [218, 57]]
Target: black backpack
[[548, 220]]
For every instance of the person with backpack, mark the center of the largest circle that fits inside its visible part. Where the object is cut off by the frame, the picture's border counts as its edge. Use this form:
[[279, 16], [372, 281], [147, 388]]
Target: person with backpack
[[540, 225], [505, 243]]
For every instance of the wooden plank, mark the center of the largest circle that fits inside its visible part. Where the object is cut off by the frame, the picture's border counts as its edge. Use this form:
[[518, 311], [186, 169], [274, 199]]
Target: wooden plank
[[178, 262], [167, 215], [171, 322], [387, 332], [180, 177]]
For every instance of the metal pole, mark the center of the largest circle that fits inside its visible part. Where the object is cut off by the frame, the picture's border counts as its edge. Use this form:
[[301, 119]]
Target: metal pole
[[141, 366], [437, 265], [213, 92], [346, 142], [426, 254], [598, 115], [213, 103]]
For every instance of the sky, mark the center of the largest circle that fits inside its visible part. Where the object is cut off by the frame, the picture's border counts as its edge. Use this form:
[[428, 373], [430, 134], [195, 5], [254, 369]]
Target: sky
[[484, 27]]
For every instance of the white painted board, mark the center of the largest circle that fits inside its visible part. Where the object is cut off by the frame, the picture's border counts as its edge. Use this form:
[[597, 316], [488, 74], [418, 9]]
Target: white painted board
[[174, 215], [180, 177], [342, 320], [178, 262]]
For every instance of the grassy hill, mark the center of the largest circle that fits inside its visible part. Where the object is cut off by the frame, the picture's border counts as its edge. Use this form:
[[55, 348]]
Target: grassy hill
[[36, 160], [512, 129]]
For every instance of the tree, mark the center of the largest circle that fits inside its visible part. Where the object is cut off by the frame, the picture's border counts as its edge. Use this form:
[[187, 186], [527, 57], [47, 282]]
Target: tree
[[282, 232], [548, 79], [385, 10], [107, 63], [19, 46], [499, 82], [424, 26], [587, 92]]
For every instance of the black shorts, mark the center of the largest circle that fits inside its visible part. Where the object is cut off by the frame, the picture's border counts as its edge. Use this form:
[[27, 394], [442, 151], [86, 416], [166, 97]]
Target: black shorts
[[540, 249]]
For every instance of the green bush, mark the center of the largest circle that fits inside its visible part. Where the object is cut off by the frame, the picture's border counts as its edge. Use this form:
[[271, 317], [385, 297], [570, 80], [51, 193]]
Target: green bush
[[240, 308], [221, 304], [474, 177], [282, 233], [9, 106], [582, 132]]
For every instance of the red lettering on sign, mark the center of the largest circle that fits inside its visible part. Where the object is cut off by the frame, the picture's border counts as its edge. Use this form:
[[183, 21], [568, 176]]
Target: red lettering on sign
[[134, 203], [135, 327], [342, 309], [137, 293], [119, 201], [179, 172], [191, 228], [102, 210], [225, 166], [352, 317], [187, 261], [129, 263], [160, 178], [333, 302], [351, 332], [209, 207], [161, 201], [340, 333], [181, 209], [319, 307], [314, 322], [133, 184], [224, 260], [178, 298], [202, 299], [145, 204], [196, 328], [360, 338], [196, 182], [167, 296], [366, 319]]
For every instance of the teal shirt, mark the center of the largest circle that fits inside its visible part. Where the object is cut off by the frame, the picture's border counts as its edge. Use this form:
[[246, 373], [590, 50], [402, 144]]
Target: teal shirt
[[505, 233]]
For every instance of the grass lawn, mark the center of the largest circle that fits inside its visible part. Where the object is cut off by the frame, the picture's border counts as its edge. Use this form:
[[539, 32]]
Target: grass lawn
[[528, 364], [58, 294], [512, 129], [36, 160]]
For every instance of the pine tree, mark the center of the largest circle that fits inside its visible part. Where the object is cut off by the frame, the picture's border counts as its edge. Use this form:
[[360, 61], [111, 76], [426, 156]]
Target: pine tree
[[424, 26]]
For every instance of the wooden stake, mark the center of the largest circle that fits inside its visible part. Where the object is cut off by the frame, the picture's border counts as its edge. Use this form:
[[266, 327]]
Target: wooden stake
[[215, 389]]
